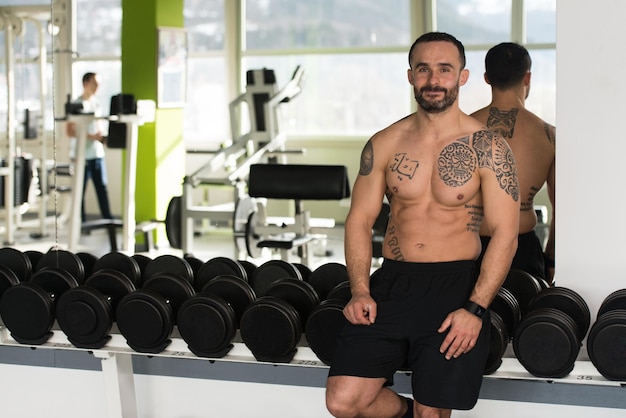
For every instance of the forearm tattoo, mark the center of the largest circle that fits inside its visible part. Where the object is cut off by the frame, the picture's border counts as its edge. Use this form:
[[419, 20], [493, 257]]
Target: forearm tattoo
[[403, 166], [493, 153], [456, 163], [476, 217], [550, 133], [367, 159], [394, 245], [502, 121]]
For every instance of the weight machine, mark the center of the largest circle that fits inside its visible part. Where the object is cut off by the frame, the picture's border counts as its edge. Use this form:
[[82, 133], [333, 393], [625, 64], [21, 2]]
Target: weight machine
[[13, 26], [230, 166]]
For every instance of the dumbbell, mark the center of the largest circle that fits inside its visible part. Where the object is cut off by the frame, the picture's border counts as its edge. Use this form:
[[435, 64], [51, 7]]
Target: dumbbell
[[28, 308], [34, 256], [606, 343], [209, 320], [305, 271], [524, 286], [142, 261], [272, 325], [88, 260], [505, 317], [146, 317], [325, 277], [221, 266], [327, 318], [15, 266], [270, 271], [548, 339], [86, 313]]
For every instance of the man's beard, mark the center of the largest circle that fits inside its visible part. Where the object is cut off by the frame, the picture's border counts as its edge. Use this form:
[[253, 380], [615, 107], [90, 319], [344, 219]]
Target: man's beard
[[436, 106]]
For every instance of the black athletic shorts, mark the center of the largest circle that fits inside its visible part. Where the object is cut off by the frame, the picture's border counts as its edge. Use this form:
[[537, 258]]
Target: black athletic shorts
[[413, 299], [529, 255]]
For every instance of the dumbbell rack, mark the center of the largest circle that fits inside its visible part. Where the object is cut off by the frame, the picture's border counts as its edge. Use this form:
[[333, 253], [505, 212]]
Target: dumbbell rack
[[117, 367]]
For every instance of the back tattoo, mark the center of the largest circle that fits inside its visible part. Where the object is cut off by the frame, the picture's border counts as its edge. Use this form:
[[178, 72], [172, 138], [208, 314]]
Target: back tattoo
[[502, 121]]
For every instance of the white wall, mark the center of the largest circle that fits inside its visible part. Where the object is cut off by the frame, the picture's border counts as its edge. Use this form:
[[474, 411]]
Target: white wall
[[590, 148]]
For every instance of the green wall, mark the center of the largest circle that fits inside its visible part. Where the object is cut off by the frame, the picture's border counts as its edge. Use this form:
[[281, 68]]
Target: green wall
[[161, 153]]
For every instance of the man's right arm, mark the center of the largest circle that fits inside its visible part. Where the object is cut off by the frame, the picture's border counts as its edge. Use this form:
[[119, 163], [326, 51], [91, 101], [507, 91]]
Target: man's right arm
[[366, 202]]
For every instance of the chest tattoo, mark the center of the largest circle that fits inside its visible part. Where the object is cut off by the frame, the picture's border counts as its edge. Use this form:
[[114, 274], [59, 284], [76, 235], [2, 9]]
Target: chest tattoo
[[502, 121], [403, 167], [456, 163]]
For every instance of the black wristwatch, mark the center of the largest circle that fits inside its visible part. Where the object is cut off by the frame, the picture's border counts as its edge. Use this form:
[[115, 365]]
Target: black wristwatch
[[474, 308]]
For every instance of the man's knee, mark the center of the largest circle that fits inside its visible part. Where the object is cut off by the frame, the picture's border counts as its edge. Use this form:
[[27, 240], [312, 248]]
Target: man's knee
[[339, 403]]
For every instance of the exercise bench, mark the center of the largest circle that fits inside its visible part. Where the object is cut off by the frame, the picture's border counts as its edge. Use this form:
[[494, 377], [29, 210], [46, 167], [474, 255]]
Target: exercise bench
[[297, 182]]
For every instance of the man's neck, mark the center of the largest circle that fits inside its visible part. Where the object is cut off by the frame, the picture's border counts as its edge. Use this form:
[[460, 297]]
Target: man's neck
[[508, 99], [438, 122]]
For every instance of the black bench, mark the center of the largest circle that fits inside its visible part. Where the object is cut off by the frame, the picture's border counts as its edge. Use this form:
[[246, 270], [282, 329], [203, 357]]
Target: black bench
[[297, 182]]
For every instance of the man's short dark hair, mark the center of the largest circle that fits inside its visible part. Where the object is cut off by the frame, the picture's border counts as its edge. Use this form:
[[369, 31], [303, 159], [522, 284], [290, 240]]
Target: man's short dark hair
[[87, 77], [506, 64], [439, 37]]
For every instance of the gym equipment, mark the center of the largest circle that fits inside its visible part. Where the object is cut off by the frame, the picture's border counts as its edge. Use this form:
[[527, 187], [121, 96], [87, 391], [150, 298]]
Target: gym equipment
[[146, 317], [270, 271], [326, 277], [88, 261], [606, 343], [229, 166], [505, 317], [297, 182], [498, 343], [14, 26], [549, 337], [323, 326], [28, 308], [144, 114], [86, 313], [524, 286], [219, 266], [341, 292], [507, 307], [272, 325], [208, 321], [17, 262], [65, 260]]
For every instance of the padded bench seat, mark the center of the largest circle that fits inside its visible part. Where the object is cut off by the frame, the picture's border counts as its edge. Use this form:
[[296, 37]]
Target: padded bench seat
[[284, 242]]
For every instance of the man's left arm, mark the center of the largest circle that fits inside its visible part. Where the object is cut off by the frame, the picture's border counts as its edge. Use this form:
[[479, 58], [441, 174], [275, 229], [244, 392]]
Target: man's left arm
[[501, 203]]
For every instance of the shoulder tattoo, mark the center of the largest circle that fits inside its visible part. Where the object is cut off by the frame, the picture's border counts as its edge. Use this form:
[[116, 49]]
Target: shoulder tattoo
[[550, 132], [456, 163], [494, 153], [502, 121], [367, 159]]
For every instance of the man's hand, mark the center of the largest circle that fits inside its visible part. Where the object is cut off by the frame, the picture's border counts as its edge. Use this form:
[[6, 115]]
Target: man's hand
[[361, 310], [463, 329]]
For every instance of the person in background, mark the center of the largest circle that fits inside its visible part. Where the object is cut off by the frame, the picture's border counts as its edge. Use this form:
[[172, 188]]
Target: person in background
[[95, 165], [427, 309], [532, 140]]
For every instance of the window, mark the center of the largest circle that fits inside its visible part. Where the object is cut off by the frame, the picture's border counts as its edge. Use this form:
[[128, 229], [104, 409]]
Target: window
[[353, 53], [207, 119], [98, 47], [481, 24]]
